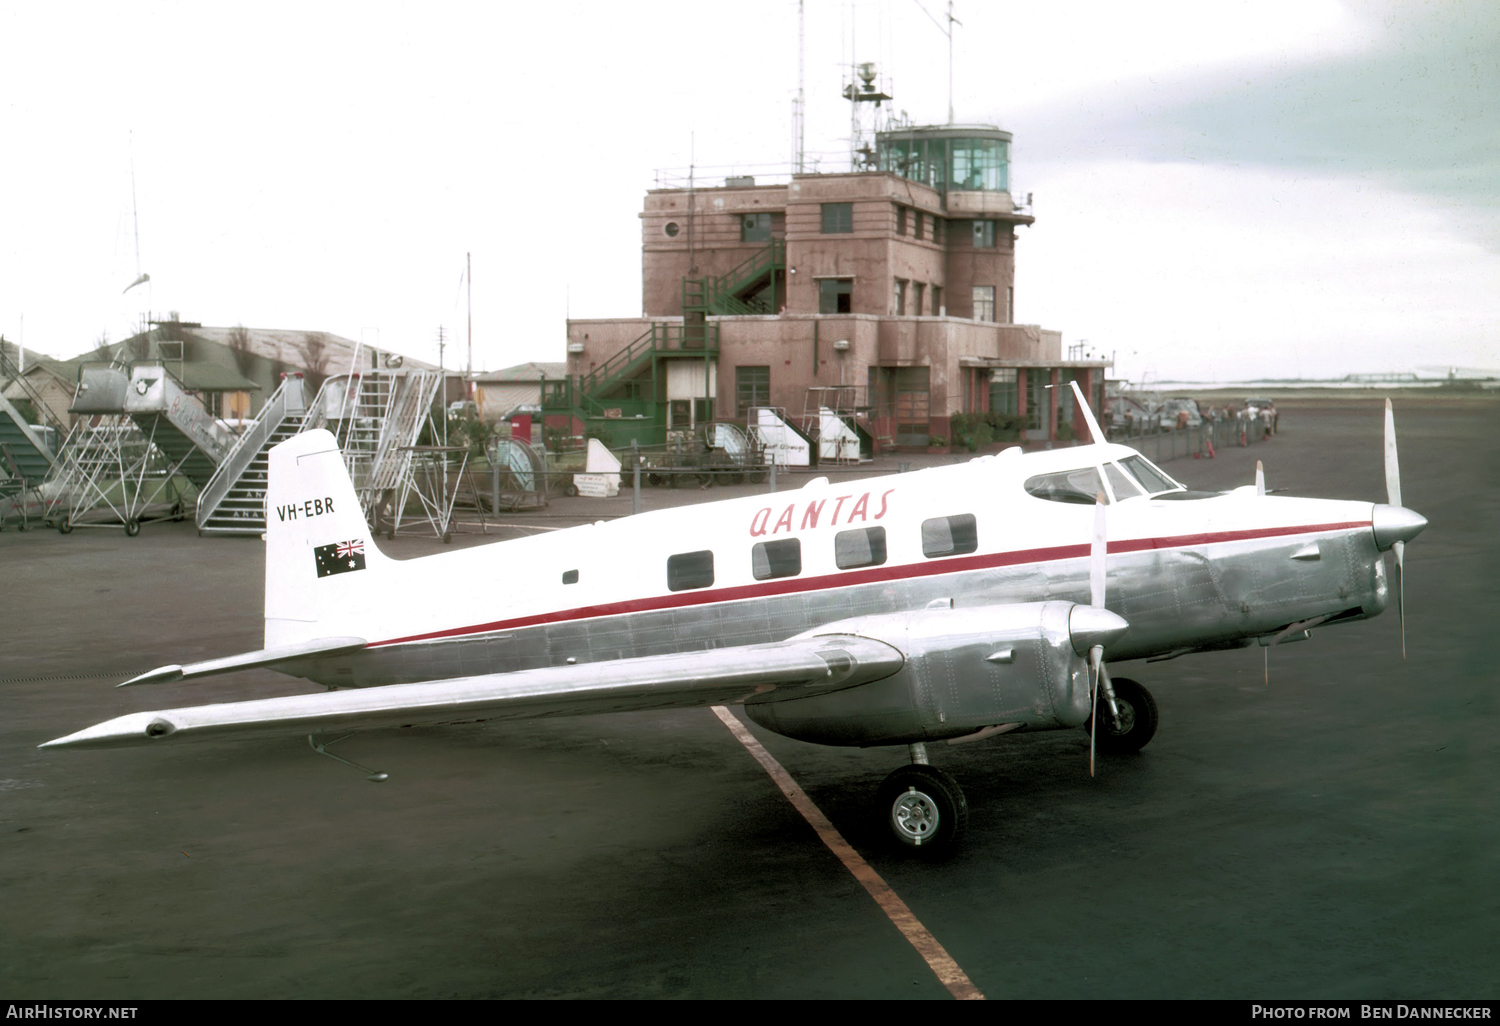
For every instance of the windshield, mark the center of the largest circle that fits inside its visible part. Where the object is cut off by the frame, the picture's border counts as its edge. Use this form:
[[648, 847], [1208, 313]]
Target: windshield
[[1081, 486], [1151, 480]]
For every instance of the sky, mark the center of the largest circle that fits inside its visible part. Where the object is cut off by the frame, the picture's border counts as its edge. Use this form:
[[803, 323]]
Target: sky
[[1222, 190]]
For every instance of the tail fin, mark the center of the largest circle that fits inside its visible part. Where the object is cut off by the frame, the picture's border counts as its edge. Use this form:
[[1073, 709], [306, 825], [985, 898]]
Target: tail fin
[[321, 558]]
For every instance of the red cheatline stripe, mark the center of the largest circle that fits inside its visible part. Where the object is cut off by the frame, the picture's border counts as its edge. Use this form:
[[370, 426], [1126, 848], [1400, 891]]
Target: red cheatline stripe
[[934, 567], [933, 953]]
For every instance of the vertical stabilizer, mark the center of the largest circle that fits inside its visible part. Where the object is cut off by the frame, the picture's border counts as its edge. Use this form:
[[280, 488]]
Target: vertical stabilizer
[[322, 567]]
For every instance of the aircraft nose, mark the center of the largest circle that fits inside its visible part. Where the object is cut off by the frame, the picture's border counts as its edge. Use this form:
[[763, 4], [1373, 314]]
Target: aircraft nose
[[1394, 524], [1090, 625]]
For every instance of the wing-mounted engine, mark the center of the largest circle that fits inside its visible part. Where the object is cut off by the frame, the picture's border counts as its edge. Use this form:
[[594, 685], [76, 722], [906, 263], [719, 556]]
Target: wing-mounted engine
[[1021, 666]]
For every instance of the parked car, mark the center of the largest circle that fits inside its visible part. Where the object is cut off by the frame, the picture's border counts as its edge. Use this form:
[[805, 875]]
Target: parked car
[[1179, 413]]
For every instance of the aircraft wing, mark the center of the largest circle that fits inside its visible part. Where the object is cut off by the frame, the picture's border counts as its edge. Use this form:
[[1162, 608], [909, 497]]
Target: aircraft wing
[[789, 669]]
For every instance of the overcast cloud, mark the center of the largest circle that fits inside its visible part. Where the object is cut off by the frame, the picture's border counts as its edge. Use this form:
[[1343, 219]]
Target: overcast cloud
[[1222, 189]]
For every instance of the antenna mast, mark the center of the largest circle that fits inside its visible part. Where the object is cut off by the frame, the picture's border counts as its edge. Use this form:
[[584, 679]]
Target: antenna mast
[[798, 105]]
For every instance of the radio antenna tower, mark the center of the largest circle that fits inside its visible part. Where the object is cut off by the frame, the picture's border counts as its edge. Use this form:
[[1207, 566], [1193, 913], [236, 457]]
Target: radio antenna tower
[[799, 104]]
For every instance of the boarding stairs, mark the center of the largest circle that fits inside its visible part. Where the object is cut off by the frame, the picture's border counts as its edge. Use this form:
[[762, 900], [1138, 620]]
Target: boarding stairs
[[234, 499], [25, 462], [189, 437]]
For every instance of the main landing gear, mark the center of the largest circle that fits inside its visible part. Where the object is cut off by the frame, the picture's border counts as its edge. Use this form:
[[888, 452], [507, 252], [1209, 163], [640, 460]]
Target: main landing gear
[[1137, 723], [924, 808]]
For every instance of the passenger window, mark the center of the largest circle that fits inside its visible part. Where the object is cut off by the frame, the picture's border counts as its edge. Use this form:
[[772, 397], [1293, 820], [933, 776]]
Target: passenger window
[[688, 570], [773, 559], [949, 536], [1124, 487], [1080, 486], [865, 547], [570, 576]]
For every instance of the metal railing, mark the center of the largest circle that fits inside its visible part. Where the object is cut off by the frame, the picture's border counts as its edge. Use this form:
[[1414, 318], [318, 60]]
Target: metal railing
[[287, 400]]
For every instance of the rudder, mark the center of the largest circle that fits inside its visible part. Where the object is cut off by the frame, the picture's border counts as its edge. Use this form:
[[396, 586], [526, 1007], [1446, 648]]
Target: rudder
[[320, 553]]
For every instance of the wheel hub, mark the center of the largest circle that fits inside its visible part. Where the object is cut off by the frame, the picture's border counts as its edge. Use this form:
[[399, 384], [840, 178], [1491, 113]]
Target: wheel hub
[[915, 816]]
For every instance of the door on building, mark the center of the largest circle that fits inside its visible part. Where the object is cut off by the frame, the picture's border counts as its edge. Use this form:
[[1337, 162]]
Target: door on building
[[909, 387]]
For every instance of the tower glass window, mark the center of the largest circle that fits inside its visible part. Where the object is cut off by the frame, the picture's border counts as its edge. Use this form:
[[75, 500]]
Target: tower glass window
[[984, 234]]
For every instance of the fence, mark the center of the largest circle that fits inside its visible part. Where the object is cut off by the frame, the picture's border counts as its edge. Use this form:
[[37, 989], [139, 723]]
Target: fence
[[1162, 445]]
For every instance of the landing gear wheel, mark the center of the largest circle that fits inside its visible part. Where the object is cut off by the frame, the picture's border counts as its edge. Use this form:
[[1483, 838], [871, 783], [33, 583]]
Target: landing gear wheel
[[924, 809], [1137, 717], [132, 527], [65, 526]]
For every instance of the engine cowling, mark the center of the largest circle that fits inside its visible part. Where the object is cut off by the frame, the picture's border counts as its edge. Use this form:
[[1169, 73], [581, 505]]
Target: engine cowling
[[965, 670]]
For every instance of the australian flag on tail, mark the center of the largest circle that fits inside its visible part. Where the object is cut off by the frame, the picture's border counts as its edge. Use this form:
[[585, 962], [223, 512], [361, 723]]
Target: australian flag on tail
[[340, 557]]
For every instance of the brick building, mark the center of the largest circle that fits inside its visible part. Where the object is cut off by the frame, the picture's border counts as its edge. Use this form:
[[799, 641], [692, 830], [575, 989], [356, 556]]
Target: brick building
[[896, 283]]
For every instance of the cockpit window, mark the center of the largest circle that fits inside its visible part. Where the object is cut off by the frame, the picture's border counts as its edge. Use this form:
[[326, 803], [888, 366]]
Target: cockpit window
[[1151, 479], [1123, 484], [1080, 486]]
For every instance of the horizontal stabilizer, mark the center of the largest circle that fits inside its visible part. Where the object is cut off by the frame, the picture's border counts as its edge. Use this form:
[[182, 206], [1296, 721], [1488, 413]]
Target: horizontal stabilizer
[[246, 660], [792, 669]]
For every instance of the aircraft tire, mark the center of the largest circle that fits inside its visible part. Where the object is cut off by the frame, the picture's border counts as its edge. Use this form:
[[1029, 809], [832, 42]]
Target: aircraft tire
[[924, 810], [1137, 711]]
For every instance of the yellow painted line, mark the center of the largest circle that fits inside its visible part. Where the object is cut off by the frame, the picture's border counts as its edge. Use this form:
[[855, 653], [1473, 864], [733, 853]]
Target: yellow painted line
[[937, 959]]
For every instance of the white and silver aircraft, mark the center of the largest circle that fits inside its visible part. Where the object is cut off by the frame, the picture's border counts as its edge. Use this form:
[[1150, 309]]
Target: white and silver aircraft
[[944, 605]]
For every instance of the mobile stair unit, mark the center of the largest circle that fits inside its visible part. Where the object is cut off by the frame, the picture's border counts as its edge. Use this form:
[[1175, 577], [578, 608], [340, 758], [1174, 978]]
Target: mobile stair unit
[[25, 462], [377, 417], [234, 499], [136, 433]]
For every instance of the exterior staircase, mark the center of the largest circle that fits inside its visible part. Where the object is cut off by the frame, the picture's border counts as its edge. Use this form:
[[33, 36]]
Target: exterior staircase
[[234, 500]]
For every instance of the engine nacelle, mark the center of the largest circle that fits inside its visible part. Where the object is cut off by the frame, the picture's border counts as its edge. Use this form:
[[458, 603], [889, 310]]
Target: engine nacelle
[[965, 669]]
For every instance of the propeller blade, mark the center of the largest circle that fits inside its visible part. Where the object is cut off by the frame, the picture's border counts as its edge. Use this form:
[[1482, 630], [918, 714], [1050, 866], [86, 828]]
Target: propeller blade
[[1260, 478], [1096, 665], [1392, 467], [1400, 550], [1098, 551], [1088, 415], [1393, 496]]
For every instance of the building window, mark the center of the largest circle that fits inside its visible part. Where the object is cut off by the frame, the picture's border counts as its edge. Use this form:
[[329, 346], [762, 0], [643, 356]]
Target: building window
[[984, 234], [864, 547], [937, 229], [917, 290], [769, 560], [755, 228], [900, 220], [917, 228], [900, 297], [838, 218], [1010, 304], [949, 536], [984, 302], [1038, 406], [671, 229], [1004, 395], [688, 570], [836, 295], [937, 302], [752, 387]]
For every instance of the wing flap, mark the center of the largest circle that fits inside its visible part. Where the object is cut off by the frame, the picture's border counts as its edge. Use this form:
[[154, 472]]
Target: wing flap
[[797, 668]]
